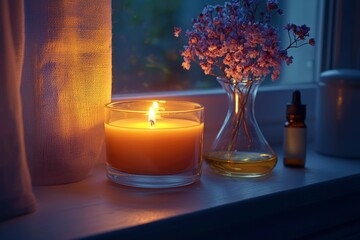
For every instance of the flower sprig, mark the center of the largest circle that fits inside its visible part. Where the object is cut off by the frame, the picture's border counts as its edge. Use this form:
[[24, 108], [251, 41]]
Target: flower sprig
[[237, 40]]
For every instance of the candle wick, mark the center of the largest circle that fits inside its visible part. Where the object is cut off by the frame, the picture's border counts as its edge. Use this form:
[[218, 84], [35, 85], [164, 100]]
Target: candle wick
[[152, 122]]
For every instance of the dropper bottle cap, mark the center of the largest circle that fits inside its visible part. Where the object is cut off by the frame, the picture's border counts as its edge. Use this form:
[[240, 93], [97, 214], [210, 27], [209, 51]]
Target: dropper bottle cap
[[295, 109]]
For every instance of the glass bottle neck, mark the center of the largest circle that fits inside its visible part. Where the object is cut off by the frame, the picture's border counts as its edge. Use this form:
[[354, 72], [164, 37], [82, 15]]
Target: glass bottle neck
[[295, 118]]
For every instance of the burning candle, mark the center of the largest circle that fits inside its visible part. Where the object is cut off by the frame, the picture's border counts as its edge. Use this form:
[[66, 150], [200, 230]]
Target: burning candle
[[155, 144]]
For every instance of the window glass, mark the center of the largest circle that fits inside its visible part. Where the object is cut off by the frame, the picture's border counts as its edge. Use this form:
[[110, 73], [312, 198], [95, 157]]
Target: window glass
[[146, 55]]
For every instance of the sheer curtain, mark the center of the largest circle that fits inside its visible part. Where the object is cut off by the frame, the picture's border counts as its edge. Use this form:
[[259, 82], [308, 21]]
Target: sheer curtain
[[55, 78], [65, 84], [16, 196]]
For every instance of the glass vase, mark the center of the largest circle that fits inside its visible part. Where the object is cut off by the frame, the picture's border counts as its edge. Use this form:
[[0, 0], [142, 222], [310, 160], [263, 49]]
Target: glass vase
[[240, 149]]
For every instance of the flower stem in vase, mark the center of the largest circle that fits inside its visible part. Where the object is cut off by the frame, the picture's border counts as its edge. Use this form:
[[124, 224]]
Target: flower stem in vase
[[240, 149], [240, 108]]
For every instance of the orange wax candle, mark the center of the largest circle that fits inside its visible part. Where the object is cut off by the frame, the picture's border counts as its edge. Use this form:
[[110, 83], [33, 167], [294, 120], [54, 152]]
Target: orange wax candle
[[169, 146]]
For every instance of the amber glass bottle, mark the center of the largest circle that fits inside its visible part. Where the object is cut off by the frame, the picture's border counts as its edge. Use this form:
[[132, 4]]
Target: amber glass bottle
[[295, 133]]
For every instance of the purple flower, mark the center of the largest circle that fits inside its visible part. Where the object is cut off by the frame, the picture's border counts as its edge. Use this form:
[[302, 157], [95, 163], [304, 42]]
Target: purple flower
[[312, 42], [288, 60], [237, 41], [177, 31], [272, 4]]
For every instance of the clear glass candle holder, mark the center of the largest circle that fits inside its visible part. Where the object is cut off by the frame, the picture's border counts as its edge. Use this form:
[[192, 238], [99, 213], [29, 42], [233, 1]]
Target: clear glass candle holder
[[154, 143]]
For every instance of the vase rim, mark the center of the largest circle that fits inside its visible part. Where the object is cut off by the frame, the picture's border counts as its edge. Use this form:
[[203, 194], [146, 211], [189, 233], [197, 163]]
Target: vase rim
[[243, 80]]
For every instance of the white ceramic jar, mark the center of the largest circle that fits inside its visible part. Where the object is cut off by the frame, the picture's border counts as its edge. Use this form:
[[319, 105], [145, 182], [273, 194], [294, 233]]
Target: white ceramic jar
[[337, 126]]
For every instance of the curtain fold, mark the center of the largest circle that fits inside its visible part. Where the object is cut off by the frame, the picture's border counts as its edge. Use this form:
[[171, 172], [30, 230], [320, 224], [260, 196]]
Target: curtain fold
[[16, 197], [65, 84], [55, 78]]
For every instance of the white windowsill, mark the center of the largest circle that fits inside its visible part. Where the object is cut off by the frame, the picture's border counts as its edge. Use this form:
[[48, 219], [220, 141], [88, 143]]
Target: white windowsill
[[319, 201], [314, 201]]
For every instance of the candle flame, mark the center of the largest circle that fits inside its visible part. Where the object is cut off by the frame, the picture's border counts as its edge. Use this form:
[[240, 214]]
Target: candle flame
[[156, 106], [152, 119]]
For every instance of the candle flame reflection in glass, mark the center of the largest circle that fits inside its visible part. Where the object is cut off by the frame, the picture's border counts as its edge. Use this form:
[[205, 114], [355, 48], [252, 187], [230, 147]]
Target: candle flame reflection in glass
[[236, 102]]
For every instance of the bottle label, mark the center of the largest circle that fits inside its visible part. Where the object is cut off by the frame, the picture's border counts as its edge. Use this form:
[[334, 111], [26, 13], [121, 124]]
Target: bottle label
[[295, 143]]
